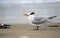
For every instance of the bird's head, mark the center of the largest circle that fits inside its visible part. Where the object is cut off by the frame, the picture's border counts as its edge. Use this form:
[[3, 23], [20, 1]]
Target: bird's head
[[28, 14]]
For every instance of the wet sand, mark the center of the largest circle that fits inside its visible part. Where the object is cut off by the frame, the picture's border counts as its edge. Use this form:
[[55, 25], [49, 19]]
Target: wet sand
[[27, 31]]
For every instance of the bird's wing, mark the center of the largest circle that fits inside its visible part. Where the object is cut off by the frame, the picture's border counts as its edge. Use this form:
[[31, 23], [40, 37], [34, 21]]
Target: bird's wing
[[52, 17], [39, 20]]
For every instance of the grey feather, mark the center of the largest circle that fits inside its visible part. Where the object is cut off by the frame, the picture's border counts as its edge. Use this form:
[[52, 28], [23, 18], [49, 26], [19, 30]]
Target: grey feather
[[52, 17], [39, 20]]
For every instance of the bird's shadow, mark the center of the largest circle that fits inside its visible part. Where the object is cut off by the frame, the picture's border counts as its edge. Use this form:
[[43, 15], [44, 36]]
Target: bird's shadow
[[51, 27]]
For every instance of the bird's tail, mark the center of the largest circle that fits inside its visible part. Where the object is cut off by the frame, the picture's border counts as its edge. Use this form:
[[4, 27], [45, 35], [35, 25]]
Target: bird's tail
[[52, 17]]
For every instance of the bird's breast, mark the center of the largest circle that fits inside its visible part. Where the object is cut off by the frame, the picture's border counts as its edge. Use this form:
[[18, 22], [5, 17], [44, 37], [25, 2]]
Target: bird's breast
[[31, 18]]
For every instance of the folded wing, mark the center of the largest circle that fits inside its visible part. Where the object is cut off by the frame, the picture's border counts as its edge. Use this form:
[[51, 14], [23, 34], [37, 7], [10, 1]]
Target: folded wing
[[39, 20]]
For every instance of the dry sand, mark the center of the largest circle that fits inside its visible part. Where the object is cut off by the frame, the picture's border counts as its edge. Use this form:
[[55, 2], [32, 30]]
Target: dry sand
[[27, 31]]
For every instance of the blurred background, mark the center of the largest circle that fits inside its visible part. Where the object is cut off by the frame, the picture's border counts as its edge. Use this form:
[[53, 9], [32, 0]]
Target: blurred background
[[11, 10]]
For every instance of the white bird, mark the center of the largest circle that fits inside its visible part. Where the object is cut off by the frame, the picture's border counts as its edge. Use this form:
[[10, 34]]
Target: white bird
[[37, 20]]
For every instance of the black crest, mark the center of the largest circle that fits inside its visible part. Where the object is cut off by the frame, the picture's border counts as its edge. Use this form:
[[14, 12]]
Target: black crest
[[32, 13]]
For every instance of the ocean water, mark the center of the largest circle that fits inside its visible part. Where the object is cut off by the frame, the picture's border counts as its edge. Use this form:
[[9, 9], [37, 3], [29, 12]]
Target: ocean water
[[12, 13]]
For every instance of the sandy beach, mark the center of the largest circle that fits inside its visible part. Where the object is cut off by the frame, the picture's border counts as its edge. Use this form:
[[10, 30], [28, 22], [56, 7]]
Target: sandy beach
[[27, 31]]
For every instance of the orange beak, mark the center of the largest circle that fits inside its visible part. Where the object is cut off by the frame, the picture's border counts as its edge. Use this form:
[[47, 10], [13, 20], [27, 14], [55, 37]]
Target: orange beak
[[25, 14]]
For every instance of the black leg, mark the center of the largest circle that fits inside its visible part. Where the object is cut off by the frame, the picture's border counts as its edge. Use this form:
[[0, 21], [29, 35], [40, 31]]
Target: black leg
[[37, 27]]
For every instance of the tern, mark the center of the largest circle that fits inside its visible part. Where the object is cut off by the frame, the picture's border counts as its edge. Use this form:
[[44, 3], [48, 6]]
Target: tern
[[37, 20]]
